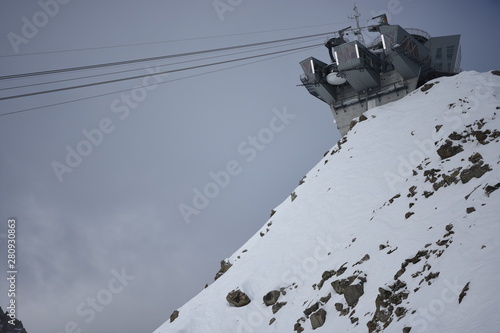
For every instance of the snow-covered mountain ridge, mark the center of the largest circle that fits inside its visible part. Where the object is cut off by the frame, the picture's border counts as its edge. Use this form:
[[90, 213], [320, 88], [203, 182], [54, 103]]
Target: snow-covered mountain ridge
[[396, 229]]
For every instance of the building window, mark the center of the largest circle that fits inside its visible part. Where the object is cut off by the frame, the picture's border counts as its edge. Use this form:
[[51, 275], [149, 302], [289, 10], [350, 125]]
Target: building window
[[449, 57], [410, 46], [458, 60], [438, 62]]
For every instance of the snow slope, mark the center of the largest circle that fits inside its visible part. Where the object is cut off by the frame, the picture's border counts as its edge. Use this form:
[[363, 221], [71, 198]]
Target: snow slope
[[395, 233]]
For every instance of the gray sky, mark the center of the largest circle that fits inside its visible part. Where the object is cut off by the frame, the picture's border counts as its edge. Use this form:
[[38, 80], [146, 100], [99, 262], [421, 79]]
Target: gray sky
[[111, 229]]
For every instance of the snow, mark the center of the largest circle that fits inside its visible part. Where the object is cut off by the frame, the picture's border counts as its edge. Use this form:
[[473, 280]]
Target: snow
[[343, 211]]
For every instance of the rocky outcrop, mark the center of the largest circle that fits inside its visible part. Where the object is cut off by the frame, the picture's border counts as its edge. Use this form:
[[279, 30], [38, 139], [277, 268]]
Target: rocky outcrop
[[352, 292], [6, 324], [387, 305], [448, 150], [237, 298], [225, 265], [318, 318], [174, 315], [271, 297]]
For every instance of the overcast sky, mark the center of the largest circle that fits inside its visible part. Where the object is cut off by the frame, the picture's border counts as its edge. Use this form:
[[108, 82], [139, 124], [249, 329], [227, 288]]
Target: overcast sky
[[103, 245]]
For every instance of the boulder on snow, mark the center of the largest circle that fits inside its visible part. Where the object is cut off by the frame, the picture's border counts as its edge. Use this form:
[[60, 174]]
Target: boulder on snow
[[174, 315], [352, 294], [311, 309], [318, 318], [271, 297], [448, 150], [237, 298], [475, 171], [276, 307]]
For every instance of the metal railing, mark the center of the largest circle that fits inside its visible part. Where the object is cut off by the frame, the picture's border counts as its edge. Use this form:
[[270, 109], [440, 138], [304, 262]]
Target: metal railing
[[419, 32]]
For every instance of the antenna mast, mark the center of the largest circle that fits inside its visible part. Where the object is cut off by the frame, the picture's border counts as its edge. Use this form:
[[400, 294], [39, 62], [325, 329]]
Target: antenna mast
[[357, 31]]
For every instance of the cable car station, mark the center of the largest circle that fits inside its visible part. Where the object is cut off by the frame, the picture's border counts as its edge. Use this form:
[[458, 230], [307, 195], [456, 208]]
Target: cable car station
[[360, 77]]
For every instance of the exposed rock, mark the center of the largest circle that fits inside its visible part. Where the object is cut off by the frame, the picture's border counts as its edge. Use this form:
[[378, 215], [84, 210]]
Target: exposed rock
[[391, 251], [451, 178], [352, 124], [463, 293], [431, 175], [442, 242], [470, 210], [174, 315], [237, 298], [341, 270], [298, 328], [476, 158], [311, 309], [408, 214], [276, 307], [385, 305], [431, 276], [224, 267], [365, 258], [426, 87], [328, 274], [294, 196], [352, 294], [475, 171], [398, 285], [339, 285], [325, 276], [318, 318], [448, 150], [399, 273], [271, 297], [325, 299], [272, 320], [6, 327], [391, 200], [400, 311], [412, 191], [455, 136], [481, 136], [490, 189], [428, 194], [416, 258]]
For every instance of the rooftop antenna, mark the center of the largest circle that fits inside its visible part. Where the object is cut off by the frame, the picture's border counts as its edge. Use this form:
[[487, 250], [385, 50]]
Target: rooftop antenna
[[357, 31]]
